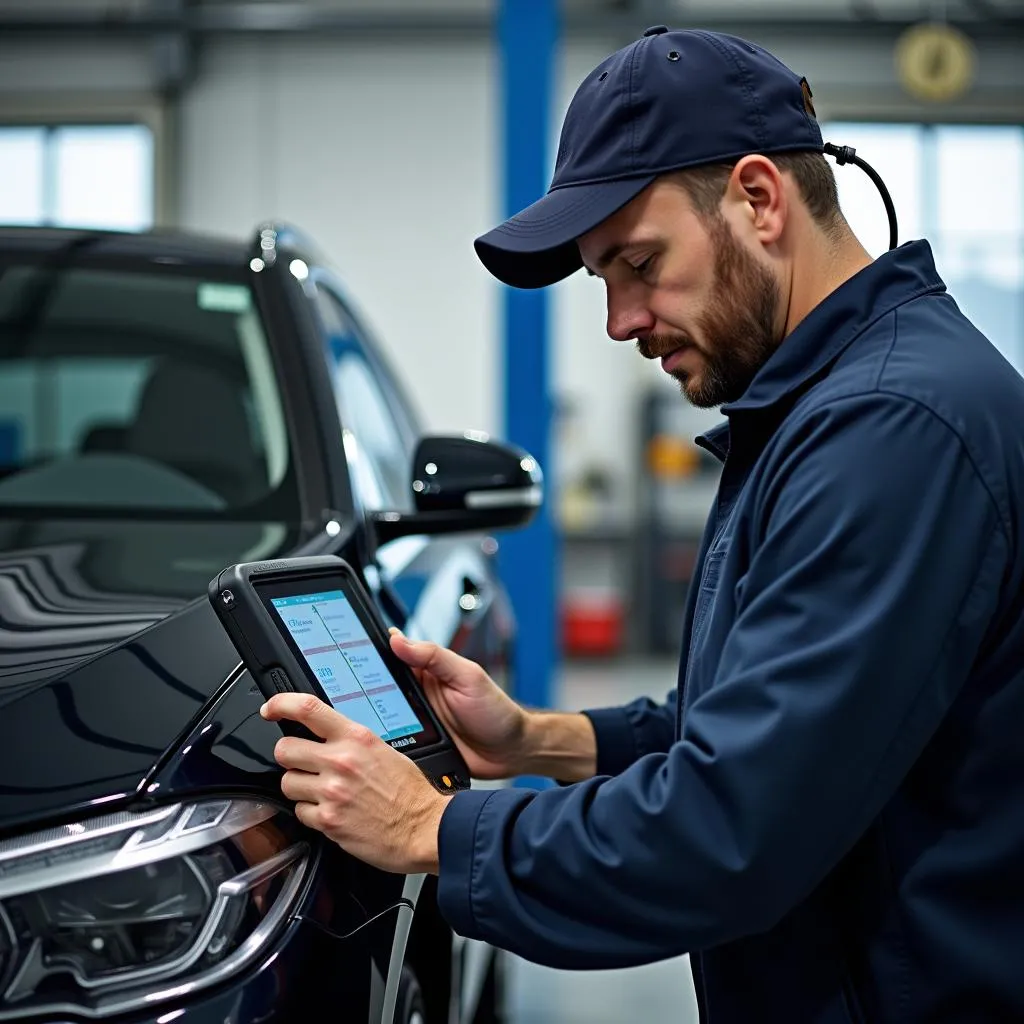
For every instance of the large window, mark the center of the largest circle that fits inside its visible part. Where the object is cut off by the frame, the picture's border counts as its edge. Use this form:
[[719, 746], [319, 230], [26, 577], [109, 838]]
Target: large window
[[92, 176], [962, 188]]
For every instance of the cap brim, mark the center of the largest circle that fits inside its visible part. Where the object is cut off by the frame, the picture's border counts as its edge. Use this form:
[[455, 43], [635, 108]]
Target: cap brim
[[537, 246]]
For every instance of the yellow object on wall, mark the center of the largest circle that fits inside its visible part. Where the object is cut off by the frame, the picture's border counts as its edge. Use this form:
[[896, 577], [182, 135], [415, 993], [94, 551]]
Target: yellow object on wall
[[935, 61], [669, 457]]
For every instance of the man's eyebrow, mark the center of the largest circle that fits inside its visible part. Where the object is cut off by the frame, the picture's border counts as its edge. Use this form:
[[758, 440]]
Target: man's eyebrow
[[606, 257]]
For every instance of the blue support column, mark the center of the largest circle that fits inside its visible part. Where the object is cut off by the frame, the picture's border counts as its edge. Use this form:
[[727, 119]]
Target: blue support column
[[527, 36]]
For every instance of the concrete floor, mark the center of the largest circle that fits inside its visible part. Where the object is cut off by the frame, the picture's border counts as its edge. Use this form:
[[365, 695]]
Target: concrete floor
[[659, 993]]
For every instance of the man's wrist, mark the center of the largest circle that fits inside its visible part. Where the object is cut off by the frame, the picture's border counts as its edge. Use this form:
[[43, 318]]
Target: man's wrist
[[426, 853], [559, 745]]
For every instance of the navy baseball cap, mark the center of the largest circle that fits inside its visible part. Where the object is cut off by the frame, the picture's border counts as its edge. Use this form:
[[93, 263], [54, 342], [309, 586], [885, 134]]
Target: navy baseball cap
[[669, 100]]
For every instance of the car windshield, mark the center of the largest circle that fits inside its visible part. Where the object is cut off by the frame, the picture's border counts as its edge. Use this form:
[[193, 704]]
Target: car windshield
[[144, 389]]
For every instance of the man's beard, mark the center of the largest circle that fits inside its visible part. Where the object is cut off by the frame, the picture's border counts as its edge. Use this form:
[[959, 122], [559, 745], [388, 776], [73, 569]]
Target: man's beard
[[737, 328]]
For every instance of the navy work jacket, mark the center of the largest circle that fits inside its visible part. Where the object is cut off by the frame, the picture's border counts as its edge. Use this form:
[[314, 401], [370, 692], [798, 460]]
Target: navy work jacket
[[830, 815]]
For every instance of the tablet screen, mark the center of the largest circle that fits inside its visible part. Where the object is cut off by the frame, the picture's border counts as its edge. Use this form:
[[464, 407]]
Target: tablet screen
[[335, 646]]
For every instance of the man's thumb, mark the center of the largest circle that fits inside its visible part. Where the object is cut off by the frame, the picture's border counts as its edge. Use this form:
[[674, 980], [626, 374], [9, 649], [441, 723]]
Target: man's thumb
[[413, 652], [425, 654]]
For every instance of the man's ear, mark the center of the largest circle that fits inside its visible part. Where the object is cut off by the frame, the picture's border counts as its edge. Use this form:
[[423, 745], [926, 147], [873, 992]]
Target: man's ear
[[757, 186]]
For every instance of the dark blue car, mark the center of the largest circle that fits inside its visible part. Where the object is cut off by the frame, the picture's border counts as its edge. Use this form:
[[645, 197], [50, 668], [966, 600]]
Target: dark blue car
[[169, 405]]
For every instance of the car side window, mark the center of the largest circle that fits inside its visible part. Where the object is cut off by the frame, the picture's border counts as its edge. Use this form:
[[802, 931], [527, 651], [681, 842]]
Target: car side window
[[376, 450]]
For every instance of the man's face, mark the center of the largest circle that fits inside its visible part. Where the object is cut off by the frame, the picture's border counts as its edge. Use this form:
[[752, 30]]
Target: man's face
[[687, 292]]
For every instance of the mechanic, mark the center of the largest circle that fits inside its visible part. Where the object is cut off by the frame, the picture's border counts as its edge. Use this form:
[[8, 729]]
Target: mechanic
[[828, 811]]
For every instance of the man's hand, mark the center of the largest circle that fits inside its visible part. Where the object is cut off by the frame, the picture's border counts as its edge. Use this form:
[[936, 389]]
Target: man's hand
[[356, 789], [488, 727], [497, 737]]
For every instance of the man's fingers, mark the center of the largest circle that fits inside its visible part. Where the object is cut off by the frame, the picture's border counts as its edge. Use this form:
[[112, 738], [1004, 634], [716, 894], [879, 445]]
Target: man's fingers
[[301, 787], [319, 718], [302, 755], [308, 814]]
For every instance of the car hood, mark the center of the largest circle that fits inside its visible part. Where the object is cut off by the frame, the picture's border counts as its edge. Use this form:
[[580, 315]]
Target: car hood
[[96, 734], [93, 584], [52, 616], [106, 657]]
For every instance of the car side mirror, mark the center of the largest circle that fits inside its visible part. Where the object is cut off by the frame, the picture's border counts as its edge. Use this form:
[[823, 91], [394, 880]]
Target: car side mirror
[[466, 484]]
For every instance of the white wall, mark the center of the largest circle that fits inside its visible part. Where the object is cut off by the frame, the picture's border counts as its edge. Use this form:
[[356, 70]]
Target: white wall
[[386, 156], [31, 68]]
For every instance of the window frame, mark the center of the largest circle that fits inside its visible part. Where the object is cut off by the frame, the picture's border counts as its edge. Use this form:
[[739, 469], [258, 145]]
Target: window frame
[[60, 110]]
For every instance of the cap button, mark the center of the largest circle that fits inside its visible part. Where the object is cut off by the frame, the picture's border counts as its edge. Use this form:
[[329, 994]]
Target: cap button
[[656, 30]]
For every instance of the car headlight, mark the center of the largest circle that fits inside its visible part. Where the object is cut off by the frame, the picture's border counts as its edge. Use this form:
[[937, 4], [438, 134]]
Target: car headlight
[[108, 914]]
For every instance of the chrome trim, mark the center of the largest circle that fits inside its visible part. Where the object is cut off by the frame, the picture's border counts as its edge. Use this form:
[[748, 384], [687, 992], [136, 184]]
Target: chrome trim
[[32, 959], [6, 930], [248, 880], [241, 956], [175, 839], [530, 497], [246, 952], [227, 891], [39, 842], [183, 840], [181, 963]]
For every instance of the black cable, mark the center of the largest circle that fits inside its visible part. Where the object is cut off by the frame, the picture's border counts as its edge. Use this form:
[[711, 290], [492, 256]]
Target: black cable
[[848, 155], [347, 935]]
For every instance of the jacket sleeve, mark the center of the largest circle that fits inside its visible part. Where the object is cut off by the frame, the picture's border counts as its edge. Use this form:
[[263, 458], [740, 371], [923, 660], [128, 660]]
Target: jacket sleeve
[[874, 575], [626, 734]]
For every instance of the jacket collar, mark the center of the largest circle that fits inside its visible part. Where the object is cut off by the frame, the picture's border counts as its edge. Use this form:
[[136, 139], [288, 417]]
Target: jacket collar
[[715, 440], [893, 279]]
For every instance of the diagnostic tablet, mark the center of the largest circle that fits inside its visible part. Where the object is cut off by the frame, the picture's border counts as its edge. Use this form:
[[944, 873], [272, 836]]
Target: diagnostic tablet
[[308, 625]]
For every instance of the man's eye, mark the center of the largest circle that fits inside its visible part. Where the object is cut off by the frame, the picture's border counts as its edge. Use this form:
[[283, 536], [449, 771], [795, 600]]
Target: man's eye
[[641, 268]]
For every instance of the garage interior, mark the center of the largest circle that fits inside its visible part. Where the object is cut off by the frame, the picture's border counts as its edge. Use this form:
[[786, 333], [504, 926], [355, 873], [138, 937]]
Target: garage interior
[[393, 132]]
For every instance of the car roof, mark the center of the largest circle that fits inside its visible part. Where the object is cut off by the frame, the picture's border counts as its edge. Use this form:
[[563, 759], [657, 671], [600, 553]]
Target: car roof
[[189, 247]]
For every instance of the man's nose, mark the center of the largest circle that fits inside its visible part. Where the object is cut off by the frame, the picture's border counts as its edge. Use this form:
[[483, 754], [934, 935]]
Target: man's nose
[[628, 319]]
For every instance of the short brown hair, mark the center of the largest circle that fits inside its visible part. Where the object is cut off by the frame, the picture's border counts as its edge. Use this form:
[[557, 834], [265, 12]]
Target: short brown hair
[[811, 172]]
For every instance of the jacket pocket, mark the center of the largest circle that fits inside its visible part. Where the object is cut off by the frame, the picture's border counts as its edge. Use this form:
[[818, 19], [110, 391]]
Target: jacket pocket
[[705, 598]]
